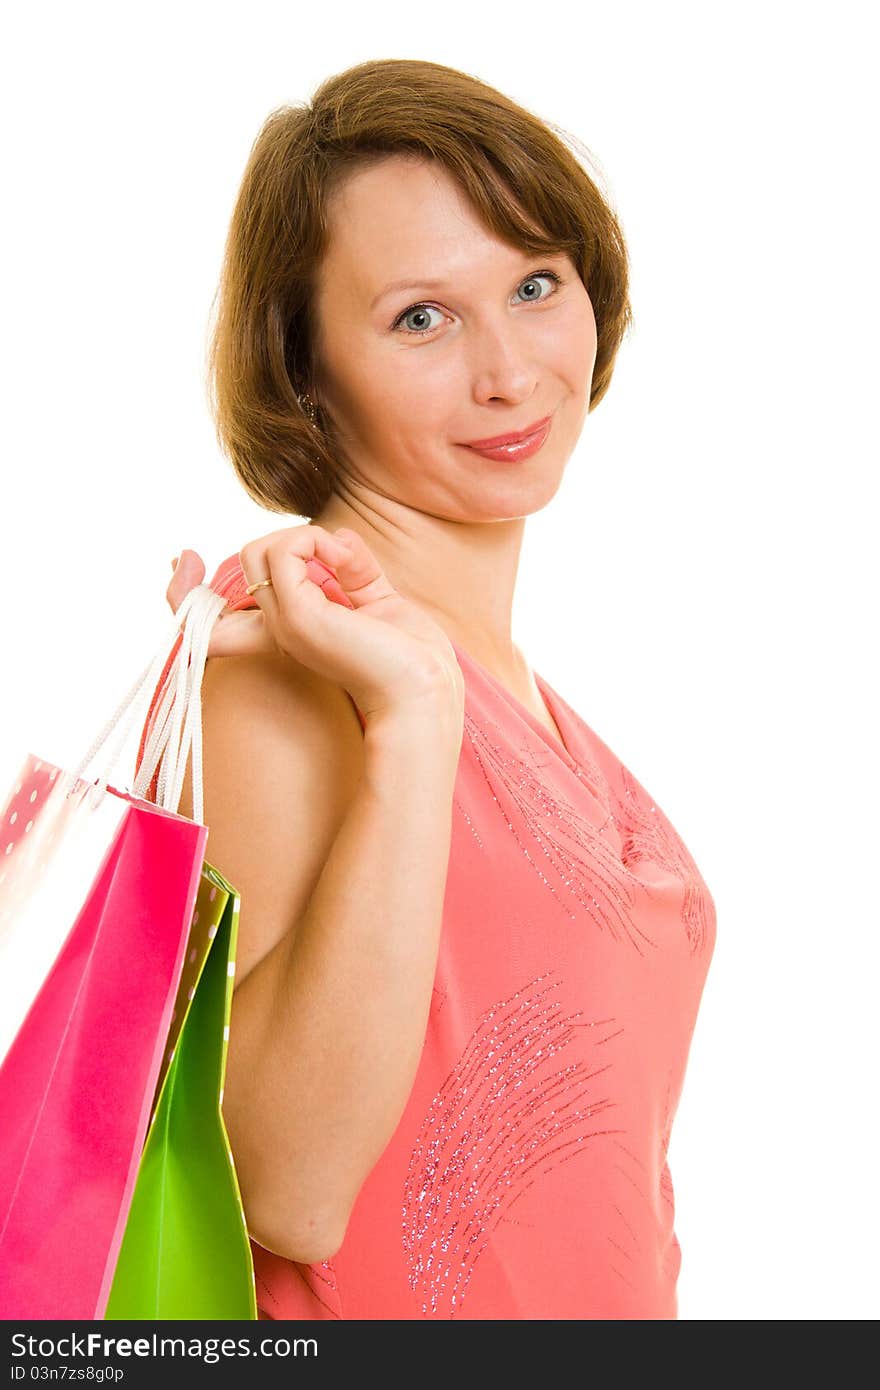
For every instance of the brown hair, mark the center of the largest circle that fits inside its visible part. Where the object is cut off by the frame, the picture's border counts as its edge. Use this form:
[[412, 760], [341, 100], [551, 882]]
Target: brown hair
[[508, 162]]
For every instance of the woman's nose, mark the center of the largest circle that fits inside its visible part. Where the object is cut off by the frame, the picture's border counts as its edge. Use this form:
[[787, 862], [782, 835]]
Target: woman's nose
[[502, 365]]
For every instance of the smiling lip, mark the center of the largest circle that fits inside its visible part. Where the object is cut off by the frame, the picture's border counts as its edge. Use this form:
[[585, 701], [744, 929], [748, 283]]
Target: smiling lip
[[501, 439], [523, 445]]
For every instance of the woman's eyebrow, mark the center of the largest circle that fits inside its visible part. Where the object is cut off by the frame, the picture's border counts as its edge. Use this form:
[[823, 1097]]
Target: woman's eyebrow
[[408, 285]]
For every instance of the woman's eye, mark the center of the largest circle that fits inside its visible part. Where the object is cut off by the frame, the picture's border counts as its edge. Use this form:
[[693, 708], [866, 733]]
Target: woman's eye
[[418, 315], [541, 275]]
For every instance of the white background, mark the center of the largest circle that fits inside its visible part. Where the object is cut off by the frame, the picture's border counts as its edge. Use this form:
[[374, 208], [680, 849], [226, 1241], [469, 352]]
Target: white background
[[706, 566]]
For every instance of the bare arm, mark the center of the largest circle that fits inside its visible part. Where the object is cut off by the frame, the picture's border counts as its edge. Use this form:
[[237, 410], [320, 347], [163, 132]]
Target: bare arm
[[338, 844]]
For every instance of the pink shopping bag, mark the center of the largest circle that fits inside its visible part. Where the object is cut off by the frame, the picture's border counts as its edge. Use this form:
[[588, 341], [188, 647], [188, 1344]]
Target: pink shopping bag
[[97, 891]]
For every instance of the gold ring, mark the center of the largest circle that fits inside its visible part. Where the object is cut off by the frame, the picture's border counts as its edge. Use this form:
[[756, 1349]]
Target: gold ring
[[260, 584]]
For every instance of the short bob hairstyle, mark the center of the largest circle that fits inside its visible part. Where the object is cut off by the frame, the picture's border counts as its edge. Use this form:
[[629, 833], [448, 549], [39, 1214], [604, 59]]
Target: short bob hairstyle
[[516, 170]]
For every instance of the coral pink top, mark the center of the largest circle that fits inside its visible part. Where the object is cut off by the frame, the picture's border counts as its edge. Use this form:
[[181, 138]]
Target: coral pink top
[[527, 1177]]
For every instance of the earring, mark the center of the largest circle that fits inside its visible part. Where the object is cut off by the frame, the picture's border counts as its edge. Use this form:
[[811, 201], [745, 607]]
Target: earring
[[307, 405]]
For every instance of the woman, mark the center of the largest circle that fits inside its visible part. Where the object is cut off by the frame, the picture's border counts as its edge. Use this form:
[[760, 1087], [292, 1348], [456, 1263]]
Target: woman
[[471, 946]]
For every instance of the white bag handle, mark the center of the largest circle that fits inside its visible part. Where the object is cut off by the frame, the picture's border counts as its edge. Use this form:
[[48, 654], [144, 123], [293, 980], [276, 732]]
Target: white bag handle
[[180, 705]]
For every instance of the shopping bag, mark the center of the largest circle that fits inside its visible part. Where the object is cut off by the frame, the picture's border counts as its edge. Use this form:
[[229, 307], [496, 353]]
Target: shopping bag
[[97, 893], [77, 1080], [185, 1252]]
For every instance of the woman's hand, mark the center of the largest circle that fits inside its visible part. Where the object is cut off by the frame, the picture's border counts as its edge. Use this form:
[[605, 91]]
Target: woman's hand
[[384, 650]]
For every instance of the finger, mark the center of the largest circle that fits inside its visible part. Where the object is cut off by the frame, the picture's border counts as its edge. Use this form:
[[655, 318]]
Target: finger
[[238, 634], [359, 578], [233, 634], [358, 571], [305, 543], [190, 571], [303, 620]]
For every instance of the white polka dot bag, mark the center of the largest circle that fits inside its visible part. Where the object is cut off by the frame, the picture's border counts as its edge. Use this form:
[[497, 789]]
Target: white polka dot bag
[[117, 949]]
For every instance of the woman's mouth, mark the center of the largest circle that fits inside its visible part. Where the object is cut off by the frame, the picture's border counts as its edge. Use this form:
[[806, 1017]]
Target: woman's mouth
[[517, 446]]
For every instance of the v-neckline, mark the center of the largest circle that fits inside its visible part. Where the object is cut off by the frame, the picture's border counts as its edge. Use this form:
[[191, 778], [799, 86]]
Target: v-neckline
[[556, 745]]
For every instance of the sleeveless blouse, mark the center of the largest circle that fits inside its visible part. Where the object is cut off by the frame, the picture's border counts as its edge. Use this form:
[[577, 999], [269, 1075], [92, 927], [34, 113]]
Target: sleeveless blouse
[[527, 1177]]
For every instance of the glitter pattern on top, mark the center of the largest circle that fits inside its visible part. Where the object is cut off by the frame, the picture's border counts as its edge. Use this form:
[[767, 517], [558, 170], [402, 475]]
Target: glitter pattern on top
[[583, 865], [507, 1113], [646, 834]]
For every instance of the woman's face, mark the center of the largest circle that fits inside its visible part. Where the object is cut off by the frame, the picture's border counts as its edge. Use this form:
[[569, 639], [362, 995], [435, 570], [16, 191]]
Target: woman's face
[[479, 342]]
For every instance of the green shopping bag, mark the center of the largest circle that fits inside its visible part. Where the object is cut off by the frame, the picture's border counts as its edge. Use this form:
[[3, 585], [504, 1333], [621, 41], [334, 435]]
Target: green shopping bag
[[185, 1252]]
